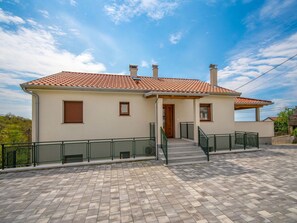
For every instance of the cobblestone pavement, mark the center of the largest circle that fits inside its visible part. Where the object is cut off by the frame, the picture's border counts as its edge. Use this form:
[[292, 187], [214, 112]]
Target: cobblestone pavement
[[250, 187]]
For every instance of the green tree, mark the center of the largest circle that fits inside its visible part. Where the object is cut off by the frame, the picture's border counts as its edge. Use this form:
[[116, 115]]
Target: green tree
[[15, 129], [281, 123]]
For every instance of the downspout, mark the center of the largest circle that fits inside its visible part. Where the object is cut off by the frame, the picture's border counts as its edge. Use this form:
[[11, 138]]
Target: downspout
[[36, 113], [156, 127]]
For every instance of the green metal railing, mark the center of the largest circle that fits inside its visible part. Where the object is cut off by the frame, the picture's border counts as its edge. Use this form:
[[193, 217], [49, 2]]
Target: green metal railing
[[164, 145], [203, 142], [152, 130], [187, 130], [37, 153], [247, 139]]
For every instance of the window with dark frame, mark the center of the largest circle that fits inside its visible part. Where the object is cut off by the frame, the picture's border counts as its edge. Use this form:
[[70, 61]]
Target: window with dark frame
[[205, 112], [124, 108], [73, 112]]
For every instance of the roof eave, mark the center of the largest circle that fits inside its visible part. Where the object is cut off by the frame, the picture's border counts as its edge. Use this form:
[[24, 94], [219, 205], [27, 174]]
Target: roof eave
[[47, 87]]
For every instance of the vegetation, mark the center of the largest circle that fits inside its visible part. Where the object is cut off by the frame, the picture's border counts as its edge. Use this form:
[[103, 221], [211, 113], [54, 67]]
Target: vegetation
[[281, 124], [15, 129]]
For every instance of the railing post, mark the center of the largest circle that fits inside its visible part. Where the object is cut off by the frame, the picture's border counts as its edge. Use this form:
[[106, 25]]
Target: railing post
[[199, 144], [62, 152], [215, 142], [257, 140], [166, 152], [34, 154], [207, 146], [3, 154], [244, 140], [88, 150], [230, 142], [133, 147], [111, 149], [180, 130]]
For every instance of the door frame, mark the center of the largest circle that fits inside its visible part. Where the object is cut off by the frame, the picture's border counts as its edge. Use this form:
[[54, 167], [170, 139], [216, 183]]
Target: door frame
[[173, 119]]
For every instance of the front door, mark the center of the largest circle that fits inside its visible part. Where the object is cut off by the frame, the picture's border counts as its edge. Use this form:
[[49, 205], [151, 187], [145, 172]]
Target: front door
[[168, 120]]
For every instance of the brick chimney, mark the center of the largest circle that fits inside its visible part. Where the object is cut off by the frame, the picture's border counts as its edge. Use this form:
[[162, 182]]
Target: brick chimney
[[155, 71], [133, 70], [213, 74]]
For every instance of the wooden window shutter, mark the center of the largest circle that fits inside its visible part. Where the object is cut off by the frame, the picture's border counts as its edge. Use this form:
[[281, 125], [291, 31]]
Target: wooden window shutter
[[73, 112]]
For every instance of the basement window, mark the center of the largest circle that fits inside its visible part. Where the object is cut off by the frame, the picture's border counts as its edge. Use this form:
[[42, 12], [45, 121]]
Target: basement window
[[205, 112], [124, 108], [73, 112]]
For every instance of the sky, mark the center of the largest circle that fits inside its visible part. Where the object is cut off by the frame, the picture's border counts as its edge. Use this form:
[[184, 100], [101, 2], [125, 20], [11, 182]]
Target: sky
[[245, 38]]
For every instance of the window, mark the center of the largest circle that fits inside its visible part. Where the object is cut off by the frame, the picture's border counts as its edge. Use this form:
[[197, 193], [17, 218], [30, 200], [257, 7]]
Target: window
[[124, 108], [73, 112], [205, 112]]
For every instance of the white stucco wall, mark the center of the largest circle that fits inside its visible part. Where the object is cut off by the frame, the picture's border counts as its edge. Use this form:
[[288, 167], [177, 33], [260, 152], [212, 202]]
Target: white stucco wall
[[100, 115], [265, 129], [222, 114]]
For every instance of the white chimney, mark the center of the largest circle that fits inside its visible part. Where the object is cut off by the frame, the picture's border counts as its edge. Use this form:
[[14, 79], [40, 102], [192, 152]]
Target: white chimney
[[133, 70], [213, 74], [155, 71]]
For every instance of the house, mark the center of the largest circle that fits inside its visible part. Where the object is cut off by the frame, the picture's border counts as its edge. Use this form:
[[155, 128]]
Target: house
[[78, 106], [293, 121], [270, 119]]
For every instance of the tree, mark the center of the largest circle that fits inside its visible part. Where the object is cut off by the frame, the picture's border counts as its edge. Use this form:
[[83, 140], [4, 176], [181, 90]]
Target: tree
[[281, 124]]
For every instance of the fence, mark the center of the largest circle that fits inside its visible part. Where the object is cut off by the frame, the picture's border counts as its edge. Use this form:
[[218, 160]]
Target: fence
[[164, 145], [203, 141], [187, 130], [238, 140], [37, 153]]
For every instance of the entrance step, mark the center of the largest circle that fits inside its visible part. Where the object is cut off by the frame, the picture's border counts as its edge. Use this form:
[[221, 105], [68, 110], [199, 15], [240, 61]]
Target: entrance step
[[181, 152]]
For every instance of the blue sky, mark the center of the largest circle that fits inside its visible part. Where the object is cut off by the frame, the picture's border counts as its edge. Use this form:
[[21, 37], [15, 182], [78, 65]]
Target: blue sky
[[243, 37]]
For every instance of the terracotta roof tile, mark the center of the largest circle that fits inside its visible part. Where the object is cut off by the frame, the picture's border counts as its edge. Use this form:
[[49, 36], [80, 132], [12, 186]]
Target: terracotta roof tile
[[251, 101], [125, 82]]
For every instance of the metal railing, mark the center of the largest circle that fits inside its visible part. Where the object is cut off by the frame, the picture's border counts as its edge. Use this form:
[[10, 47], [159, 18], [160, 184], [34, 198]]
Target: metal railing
[[37, 153], [187, 130], [152, 130], [164, 145], [247, 139], [203, 142]]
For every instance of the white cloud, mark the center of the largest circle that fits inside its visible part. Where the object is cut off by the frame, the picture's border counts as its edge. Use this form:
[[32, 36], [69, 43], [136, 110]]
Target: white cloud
[[73, 2], [279, 85], [123, 11], [44, 13], [174, 38], [6, 17], [274, 8], [144, 64], [36, 50], [30, 52]]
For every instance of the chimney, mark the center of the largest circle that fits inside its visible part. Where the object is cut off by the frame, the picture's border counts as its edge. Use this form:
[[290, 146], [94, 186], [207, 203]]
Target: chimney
[[133, 70], [213, 74], [155, 71]]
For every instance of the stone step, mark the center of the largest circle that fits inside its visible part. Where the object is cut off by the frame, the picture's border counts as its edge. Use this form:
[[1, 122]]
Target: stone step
[[181, 154], [187, 144], [184, 159], [187, 163]]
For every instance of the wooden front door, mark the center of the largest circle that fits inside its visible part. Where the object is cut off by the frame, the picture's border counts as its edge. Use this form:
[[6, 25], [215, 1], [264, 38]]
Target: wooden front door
[[168, 120]]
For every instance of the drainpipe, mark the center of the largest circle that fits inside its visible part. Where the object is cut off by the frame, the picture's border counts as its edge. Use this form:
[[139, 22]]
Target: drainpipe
[[37, 111], [156, 127]]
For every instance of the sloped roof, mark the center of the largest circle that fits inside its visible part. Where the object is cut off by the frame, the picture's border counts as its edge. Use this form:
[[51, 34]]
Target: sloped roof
[[244, 103], [270, 118], [68, 79]]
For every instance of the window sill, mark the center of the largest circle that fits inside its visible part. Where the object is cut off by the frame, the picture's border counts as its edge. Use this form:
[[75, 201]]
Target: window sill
[[72, 123], [206, 121]]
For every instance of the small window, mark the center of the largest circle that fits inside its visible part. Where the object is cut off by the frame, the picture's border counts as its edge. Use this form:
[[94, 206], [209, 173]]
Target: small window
[[205, 112], [124, 108], [73, 112]]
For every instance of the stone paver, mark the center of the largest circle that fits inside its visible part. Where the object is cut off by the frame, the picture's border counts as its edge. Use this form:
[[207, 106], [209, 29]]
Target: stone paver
[[248, 187]]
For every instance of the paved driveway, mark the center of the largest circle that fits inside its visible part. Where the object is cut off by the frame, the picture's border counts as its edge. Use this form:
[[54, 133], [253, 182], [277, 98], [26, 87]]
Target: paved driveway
[[251, 187]]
